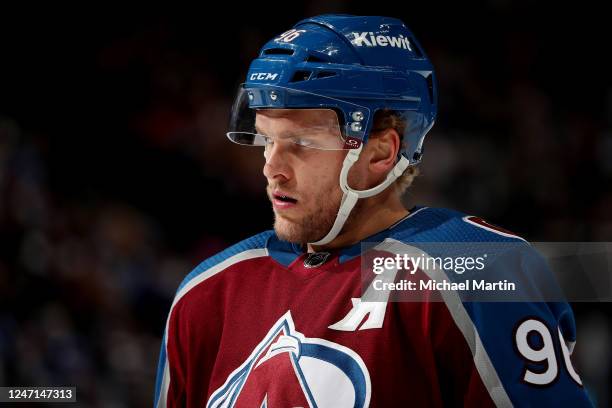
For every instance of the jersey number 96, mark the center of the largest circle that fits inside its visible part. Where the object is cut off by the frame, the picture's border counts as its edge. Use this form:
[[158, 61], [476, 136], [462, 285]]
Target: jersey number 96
[[542, 354]]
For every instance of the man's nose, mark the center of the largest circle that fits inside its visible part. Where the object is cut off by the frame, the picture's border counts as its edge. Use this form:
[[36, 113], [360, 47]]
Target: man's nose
[[277, 165]]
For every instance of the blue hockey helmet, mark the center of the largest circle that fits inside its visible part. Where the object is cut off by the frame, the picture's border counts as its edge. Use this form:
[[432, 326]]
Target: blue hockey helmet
[[355, 65]]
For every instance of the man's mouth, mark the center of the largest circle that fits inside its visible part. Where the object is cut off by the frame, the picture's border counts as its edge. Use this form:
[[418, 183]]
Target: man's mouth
[[282, 201], [285, 198]]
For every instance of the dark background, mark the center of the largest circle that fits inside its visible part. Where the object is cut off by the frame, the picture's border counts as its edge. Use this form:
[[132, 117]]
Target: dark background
[[116, 178]]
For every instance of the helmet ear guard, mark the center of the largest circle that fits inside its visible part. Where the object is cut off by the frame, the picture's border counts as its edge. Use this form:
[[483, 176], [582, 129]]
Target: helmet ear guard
[[356, 66]]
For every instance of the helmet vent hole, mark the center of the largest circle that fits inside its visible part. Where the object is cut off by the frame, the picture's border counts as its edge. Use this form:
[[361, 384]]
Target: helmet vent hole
[[278, 51], [315, 58], [301, 76], [326, 74]]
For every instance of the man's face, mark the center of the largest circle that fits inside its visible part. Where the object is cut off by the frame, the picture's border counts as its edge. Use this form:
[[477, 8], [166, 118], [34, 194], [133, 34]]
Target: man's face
[[302, 181]]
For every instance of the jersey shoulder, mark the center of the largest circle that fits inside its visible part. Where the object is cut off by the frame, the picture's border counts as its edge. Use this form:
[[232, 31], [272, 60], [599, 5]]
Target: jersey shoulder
[[252, 247], [430, 224]]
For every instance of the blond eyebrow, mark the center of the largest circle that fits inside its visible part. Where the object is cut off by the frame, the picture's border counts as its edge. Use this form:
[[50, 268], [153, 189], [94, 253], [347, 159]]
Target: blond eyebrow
[[290, 132]]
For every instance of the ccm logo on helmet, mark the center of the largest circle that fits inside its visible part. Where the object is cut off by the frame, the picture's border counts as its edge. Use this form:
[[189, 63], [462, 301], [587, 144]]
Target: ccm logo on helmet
[[370, 40], [263, 76]]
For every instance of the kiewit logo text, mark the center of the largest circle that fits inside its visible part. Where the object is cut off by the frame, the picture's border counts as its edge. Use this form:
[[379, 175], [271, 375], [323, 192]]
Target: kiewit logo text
[[370, 40]]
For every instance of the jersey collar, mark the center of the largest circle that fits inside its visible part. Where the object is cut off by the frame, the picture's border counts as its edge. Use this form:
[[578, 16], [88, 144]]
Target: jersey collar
[[286, 253]]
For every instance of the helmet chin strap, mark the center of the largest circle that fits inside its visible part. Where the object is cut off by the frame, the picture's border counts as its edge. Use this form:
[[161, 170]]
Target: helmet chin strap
[[350, 196]]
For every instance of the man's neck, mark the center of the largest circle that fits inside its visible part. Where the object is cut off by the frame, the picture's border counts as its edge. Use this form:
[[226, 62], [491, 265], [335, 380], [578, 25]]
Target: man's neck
[[375, 216]]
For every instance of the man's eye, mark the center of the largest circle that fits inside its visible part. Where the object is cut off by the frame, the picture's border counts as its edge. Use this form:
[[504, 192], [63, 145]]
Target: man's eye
[[302, 142]]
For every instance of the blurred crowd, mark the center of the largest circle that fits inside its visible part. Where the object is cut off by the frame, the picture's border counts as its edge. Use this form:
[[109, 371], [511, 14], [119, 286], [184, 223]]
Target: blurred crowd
[[116, 178]]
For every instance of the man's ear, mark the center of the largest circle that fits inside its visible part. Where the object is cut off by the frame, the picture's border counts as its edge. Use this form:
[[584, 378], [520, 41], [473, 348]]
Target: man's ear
[[383, 148]]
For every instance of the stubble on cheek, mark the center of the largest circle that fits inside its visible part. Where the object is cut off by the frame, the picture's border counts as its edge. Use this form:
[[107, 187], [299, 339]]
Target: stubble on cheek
[[313, 220], [316, 210]]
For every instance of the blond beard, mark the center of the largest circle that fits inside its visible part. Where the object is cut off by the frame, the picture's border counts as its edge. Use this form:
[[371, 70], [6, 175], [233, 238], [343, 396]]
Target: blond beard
[[314, 226], [317, 224]]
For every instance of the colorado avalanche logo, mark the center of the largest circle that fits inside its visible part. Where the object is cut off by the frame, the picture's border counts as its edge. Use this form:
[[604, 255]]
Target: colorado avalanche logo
[[287, 369]]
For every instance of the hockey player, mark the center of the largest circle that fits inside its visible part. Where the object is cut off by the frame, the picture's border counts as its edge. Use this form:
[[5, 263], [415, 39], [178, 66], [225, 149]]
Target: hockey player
[[341, 105]]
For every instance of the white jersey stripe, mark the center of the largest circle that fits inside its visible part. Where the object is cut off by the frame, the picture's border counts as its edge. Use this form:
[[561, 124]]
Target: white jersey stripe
[[481, 358], [201, 277]]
